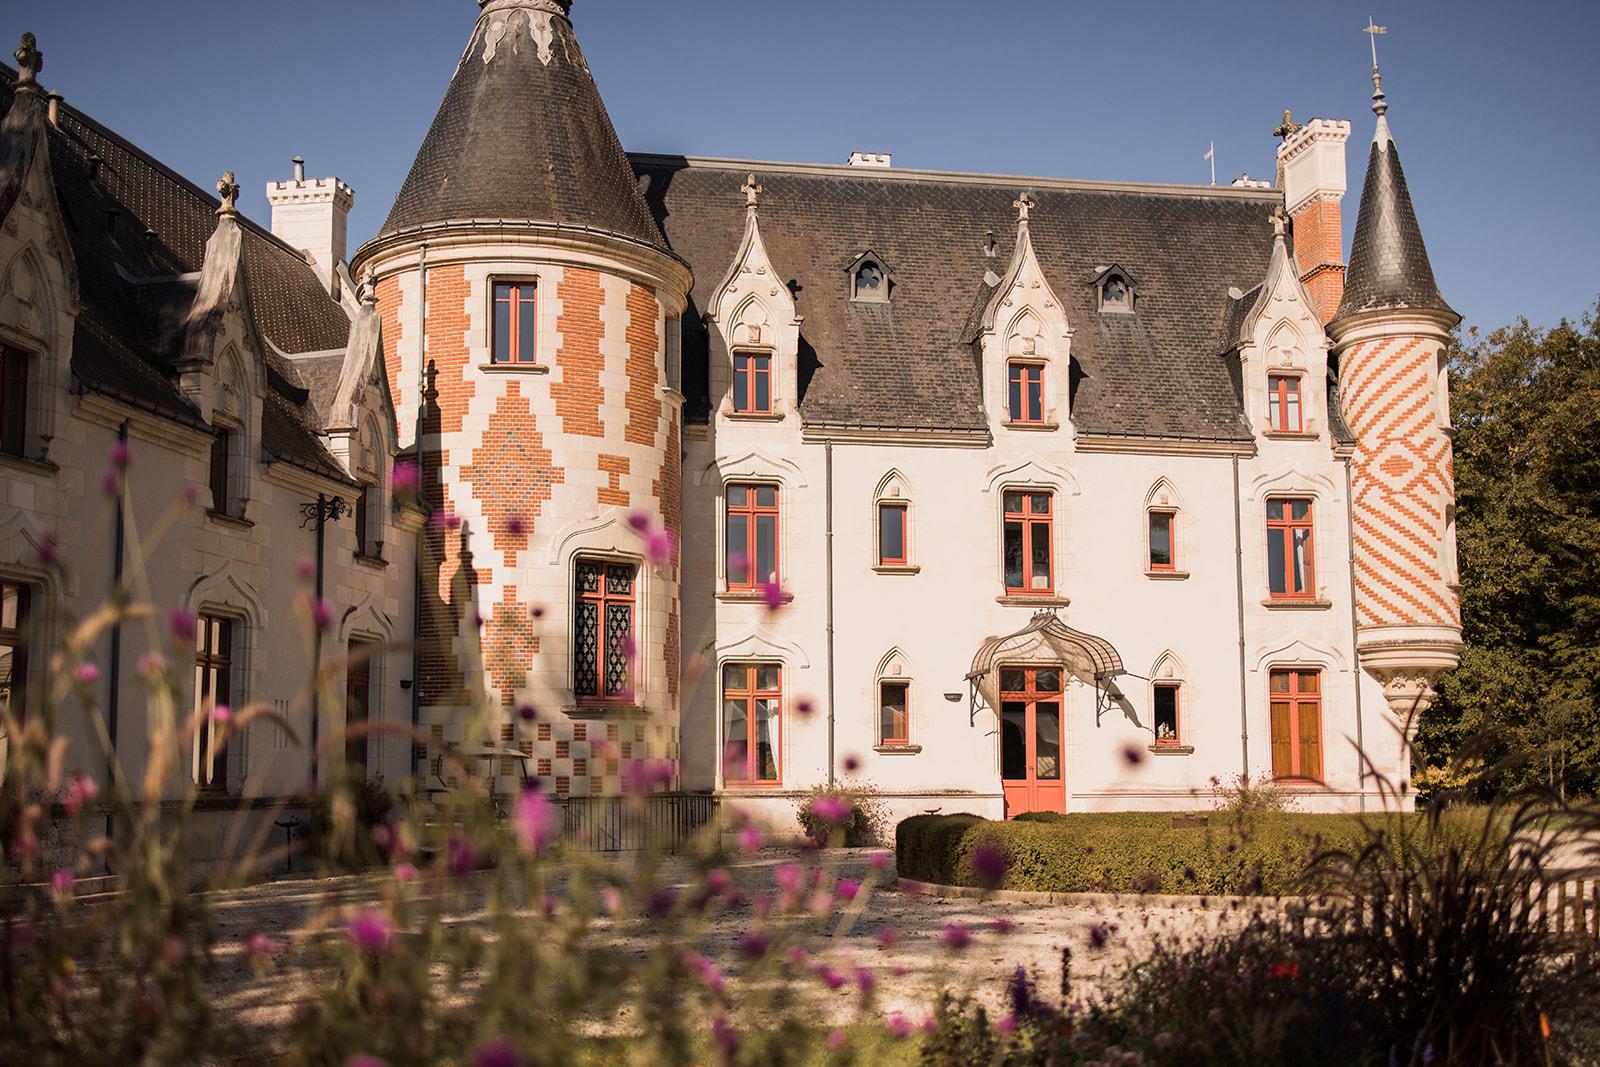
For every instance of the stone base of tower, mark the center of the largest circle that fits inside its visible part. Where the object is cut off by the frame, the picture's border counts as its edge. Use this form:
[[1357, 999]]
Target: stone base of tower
[[1407, 661]]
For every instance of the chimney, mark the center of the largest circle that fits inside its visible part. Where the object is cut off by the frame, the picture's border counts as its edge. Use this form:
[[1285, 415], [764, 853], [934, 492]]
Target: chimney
[[878, 160], [1311, 173], [311, 215]]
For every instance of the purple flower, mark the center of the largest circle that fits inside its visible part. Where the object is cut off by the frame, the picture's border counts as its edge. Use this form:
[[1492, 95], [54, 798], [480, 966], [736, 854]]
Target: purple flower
[[259, 948], [1131, 754], [660, 903], [221, 714], [120, 455], [832, 809], [830, 977], [788, 877], [718, 880], [1006, 1024], [516, 527], [191, 493], [956, 936], [837, 1039], [537, 611], [538, 821], [888, 936], [49, 551], [111, 483], [61, 884], [866, 981], [321, 614], [80, 791], [1099, 933], [406, 872], [798, 954], [804, 706], [990, 863], [528, 713], [362, 1059], [726, 1037], [405, 476], [754, 945], [852, 764], [751, 839], [305, 570], [1003, 925], [662, 547], [459, 857], [879, 860], [899, 1026], [639, 521], [152, 663], [772, 595], [846, 889], [630, 648], [495, 1053], [181, 622], [88, 673], [370, 931]]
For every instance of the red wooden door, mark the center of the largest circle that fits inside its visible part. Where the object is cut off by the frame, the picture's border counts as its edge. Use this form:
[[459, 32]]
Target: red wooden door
[[1031, 740]]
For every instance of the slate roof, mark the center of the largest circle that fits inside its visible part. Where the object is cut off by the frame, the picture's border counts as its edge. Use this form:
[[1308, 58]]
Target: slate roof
[[910, 363], [517, 137], [1389, 265], [138, 232]]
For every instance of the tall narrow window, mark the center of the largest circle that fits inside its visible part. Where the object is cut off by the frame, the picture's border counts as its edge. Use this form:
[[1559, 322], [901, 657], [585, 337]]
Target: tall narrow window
[[13, 401], [894, 717], [368, 543], [514, 322], [221, 443], [752, 729], [1283, 403], [213, 688], [602, 631], [357, 706], [1165, 713], [752, 383], [1029, 569], [1296, 697], [752, 536], [892, 535], [1163, 550], [14, 605], [1290, 564], [1026, 392]]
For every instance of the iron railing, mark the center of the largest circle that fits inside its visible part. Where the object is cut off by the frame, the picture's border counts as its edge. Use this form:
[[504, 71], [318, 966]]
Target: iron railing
[[664, 821]]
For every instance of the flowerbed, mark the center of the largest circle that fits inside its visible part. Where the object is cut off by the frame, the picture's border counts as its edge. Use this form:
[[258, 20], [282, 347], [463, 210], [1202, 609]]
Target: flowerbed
[[1135, 852]]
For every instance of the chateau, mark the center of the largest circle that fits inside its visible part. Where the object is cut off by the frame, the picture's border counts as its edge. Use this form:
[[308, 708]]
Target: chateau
[[992, 494]]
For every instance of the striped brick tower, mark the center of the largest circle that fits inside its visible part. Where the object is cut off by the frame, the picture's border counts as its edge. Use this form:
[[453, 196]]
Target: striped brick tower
[[527, 297], [1388, 336]]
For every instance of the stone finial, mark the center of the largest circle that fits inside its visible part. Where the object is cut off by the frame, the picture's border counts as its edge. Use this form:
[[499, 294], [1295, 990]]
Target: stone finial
[[1288, 128], [1280, 219], [30, 61], [1024, 205], [752, 192], [228, 190], [369, 286]]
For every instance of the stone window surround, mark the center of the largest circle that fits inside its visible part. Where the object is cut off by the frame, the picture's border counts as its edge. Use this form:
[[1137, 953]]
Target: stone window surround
[[643, 588], [493, 280]]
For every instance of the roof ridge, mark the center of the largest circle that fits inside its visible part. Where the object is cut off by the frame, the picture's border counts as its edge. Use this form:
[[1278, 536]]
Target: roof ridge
[[845, 170]]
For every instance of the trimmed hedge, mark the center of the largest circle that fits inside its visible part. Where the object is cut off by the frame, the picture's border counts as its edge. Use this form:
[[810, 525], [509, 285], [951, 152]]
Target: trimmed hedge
[[1139, 852]]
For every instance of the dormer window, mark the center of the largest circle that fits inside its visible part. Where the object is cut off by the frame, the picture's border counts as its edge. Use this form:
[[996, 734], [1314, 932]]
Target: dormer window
[[752, 383], [1115, 290], [869, 281]]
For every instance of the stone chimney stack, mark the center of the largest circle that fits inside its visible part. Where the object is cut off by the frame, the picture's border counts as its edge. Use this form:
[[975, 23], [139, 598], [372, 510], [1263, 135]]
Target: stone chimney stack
[[312, 215], [1311, 172]]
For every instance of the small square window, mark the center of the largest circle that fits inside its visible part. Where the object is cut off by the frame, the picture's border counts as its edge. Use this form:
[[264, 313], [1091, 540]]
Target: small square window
[[1025, 392]]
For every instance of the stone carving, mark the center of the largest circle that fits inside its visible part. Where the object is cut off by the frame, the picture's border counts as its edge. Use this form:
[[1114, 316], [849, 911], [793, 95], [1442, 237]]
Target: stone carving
[[228, 190], [752, 193], [30, 61], [543, 36], [1024, 205]]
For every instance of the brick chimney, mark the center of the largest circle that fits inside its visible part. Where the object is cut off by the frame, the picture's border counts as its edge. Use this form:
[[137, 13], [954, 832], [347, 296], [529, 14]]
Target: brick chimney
[[311, 215], [1311, 173]]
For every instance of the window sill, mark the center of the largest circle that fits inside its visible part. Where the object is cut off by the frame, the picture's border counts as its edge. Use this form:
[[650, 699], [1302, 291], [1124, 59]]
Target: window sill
[[222, 518], [753, 596], [898, 568], [1167, 576], [1291, 435], [897, 750], [29, 464], [1297, 604], [755, 416], [1171, 750], [600, 710], [514, 368], [376, 563], [1008, 424], [1036, 600]]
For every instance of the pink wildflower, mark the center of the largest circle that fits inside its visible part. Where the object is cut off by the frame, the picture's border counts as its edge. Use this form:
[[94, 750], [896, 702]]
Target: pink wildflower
[[537, 611], [181, 622], [830, 977], [956, 936], [321, 614], [111, 483], [990, 863], [516, 527], [866, 981], [852, 764], [772, 595], [80, 791], [846, 889], [221, 714], [899, 1026], [191, 493], [788, 876], [120, 455], [1132, 755], [62, 883], [1006, 1024], [88, 673], [305, 570], [611, 899], [662, 547], [405, 477], [837, 1039], [718, 880], [496, 1053], [804, 707], [640, 521], [259, 949], [630, 648], [49, 551], [754, 945], [888, 936], [879, 860], [798, 954], [538, 821], [370, 931], [751, 839], [528, 713], [821, 903], [406, 872], [832, 809]]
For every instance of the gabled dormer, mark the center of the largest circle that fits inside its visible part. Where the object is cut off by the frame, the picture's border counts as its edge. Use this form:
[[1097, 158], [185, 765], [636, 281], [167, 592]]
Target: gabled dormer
[[1114, 292], [361, 425], [1283, 352], [1026, 343], [756, 375], [869, 279]]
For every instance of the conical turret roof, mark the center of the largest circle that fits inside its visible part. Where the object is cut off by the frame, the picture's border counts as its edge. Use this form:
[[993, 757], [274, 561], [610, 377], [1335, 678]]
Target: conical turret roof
[[522, 134], [1389, 265]]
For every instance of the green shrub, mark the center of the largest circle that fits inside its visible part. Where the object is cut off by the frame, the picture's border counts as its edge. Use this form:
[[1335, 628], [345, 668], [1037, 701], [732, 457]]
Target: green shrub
[[1144, 852]]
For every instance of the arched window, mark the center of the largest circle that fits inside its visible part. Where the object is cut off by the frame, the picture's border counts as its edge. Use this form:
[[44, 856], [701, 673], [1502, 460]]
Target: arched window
[[892, 522], [893, 685], [869, 281], [1168, 715]]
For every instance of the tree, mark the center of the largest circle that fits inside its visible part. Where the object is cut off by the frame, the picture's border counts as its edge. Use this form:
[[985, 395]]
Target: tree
[[1527, 463]]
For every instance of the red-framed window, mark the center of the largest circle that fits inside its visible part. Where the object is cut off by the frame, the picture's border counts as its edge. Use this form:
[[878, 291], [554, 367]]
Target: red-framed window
[[752, 536], [213, 687], [752, 383], [752, 723], [515, 322], [1025, 392], [1296, 701], [894, 713], [221, 445], [1283, 403], [358, 705], [15, 602], [892, 531], [602, 631], [1291, 562], [1162, 541], [13, 401], [1029, 561], [1166, 713]]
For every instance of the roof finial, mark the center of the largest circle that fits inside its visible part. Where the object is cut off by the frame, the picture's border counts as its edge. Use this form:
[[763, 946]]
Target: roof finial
[[369, 286], [228, 190], [752, 193], [30, 61], [1379, 102], [1024, 205], [1280, 219], [1289, 127]]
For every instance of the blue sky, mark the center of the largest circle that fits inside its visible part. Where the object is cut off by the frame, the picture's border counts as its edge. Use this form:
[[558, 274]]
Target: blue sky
[[1491, 103]]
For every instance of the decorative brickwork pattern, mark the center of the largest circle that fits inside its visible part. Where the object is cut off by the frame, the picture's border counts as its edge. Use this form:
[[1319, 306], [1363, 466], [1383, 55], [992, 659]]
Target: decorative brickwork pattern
[[512, 646], [1403, 482], [389, 311], [644, 368], [578, 393], [512, 474], [1318, 249], [613, 494]]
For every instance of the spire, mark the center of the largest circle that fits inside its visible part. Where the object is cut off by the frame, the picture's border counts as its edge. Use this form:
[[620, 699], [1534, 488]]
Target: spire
[[522, 135], [1389, 265]]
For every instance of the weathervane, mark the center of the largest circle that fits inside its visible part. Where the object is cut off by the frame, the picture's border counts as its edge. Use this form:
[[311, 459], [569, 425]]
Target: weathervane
[[1211, 156], [1379, 103]]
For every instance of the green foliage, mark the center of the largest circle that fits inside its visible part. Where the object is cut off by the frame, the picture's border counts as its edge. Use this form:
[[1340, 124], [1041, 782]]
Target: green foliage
[[868, 823], [1526, 405], [1142, 852]]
